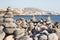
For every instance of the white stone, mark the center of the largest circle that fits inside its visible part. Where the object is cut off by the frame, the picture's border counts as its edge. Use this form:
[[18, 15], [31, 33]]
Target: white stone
[[52, 36], [11, 25], [2, 35], [10, 37]]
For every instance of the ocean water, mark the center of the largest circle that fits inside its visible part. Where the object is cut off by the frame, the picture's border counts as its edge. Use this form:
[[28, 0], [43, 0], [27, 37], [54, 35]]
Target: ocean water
[[54, 18]]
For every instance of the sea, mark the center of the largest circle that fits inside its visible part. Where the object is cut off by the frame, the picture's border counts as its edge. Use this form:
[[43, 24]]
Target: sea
[[54, 18]]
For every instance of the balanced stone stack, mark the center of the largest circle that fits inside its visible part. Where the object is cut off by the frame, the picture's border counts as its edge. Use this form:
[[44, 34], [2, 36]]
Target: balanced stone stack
[[9, 22]]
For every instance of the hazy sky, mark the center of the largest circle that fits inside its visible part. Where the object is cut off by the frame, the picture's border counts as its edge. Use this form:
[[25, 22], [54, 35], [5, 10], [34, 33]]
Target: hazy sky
[[53, 5]]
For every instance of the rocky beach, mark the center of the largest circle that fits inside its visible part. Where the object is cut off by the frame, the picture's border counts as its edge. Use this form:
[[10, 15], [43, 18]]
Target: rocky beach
[[22, 29]]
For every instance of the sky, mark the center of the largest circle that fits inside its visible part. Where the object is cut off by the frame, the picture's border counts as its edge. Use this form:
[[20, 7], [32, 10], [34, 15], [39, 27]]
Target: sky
[[48, 5]]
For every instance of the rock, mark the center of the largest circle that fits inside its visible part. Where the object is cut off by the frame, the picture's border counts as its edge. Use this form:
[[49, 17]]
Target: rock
[[10, 25], [9, 30], [58, 25], [19, 33], [52, 36], [25, 38], [8, 20], [1, 27], [8, 15], [43, 27], [48, 20], [35, 38], [43, 37], [2, 35], [37, 28], [10, 37], [45, 32], [1, 20], [58, 33]]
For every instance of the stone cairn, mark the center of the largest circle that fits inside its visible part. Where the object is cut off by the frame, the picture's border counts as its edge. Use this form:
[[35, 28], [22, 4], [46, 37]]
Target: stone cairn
[[33, 29]]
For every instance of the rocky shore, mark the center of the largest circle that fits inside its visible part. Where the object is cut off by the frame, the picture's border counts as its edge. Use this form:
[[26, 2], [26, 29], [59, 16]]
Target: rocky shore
[[28, 11], [32, 29]]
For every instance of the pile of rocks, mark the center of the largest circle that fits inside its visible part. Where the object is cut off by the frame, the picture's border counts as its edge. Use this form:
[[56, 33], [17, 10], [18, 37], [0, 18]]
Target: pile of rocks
[[28, 30]]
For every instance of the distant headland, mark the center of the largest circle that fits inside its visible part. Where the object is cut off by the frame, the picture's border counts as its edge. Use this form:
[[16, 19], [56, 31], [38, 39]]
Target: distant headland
[[28, 11]]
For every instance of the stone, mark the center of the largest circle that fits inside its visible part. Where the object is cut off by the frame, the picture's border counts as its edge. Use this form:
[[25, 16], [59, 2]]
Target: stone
[[58, 33], [8, 20], [19, 33], [10, 25], [45, 32], [43, 37], [8, 15], [52, 36], [10, 37], [1, 27], [9, 30], [1, 20], [25, 38], [2, 35]]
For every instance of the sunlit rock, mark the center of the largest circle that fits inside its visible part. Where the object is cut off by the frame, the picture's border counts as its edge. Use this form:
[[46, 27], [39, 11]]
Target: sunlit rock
[[52, 36], [10, 37]]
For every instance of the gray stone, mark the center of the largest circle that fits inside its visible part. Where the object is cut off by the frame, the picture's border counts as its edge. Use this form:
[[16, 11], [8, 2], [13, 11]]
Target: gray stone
[[9, 30], [25, 38], [43, 37], [19, 33]]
